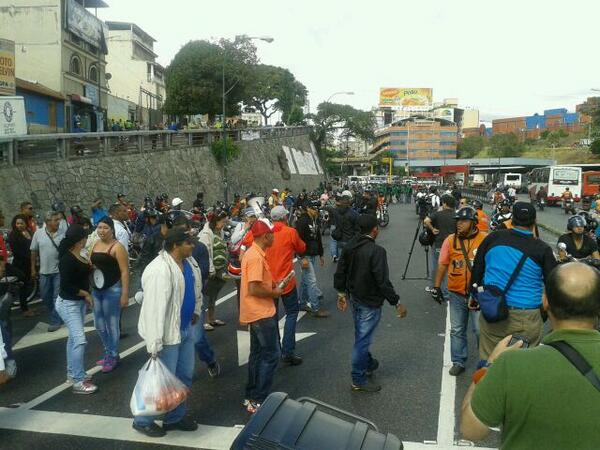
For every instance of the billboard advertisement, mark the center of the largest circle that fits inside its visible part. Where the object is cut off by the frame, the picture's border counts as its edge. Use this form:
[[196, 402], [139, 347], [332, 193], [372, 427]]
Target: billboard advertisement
[[7, 67], [444, 113], [406, 97]]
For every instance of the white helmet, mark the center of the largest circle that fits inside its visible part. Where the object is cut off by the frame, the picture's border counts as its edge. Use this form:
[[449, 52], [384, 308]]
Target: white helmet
[[176, 202], [346, 194]]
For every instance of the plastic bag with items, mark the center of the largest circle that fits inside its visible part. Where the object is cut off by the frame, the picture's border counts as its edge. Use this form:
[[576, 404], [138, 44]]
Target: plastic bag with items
[[157, 390]]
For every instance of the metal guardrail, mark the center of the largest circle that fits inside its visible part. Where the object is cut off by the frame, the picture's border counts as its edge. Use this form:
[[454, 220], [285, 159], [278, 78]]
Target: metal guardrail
[[474, 193], [36, 148]]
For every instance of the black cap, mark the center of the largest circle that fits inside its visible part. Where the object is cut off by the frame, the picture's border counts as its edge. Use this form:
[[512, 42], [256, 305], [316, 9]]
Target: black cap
[[367, 222], [523, 214]]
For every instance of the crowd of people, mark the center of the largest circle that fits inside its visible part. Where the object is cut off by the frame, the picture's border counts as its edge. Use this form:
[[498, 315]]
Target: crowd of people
[[500, 280]]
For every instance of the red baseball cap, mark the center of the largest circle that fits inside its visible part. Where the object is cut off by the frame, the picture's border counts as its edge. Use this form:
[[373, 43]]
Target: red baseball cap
[[260, 227]]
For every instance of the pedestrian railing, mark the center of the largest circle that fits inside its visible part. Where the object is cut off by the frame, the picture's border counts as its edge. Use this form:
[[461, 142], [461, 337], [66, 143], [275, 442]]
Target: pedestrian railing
[[28, 149], [475, 193]]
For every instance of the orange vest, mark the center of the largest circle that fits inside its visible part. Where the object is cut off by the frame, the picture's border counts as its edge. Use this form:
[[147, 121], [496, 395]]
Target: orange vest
[[459, 276], [483, 221]]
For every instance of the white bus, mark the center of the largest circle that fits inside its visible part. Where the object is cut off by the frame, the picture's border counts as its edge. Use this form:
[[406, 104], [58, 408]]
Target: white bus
[[555, 179], [512, 180]]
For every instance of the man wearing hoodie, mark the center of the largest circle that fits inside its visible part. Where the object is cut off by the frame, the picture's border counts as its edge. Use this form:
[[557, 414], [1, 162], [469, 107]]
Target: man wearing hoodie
[[280, 257], [363, 275], [345, 220]]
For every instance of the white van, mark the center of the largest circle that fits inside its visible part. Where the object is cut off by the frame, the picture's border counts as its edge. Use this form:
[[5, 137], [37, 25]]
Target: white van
[[513, 180]]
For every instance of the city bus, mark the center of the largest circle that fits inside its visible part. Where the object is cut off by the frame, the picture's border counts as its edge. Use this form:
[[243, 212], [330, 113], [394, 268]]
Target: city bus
[[555, 179], [591, 183]]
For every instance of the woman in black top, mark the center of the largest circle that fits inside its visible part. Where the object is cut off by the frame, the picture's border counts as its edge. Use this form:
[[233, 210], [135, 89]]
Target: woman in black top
[[111, 289], [19, 240], [73, 295]]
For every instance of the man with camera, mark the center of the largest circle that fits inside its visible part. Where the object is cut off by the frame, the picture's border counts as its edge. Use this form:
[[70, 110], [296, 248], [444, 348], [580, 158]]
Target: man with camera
[[456, 257], [549, 396], [510, 268], [577, 243], [442, 224], [363, 275]]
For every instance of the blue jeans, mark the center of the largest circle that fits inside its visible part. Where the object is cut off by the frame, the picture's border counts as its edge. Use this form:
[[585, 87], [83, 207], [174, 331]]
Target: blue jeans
[[333, 247], [201, 344], [6, 330], [49, 287], [292, 307], [179, 359], [459, 320], [72, 312], [309, 290], [107, 314], [263, 359], [435, 256], [365, 323]]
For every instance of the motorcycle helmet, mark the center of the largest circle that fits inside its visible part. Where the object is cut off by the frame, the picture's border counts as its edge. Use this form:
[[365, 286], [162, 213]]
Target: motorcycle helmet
[[576, 221], [76, 210], [234, 270], [466, 213], [59, 206], [505, 202], [477, 204]]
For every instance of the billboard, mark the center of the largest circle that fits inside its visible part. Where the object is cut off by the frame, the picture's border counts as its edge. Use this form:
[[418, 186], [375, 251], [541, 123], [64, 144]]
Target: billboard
[[7, 67], [86, 26], [406, 97]]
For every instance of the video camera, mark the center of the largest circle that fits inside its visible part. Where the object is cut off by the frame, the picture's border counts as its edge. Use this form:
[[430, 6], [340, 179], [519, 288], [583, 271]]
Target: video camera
[[424, 206]]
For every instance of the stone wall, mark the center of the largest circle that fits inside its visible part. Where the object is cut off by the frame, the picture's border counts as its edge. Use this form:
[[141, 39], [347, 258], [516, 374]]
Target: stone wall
[[263, 164]]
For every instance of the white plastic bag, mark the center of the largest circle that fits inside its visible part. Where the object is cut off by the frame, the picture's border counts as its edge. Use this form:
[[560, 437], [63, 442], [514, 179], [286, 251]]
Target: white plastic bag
[[157, 390]]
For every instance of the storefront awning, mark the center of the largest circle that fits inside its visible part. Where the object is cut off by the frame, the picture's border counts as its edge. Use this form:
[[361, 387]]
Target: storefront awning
[[81, 99]]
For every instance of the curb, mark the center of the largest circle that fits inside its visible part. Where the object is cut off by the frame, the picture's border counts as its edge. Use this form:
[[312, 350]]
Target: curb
[[550, 229]]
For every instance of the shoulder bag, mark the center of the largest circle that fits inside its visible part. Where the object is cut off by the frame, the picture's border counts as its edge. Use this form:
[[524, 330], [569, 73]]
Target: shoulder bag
[[578, 361]]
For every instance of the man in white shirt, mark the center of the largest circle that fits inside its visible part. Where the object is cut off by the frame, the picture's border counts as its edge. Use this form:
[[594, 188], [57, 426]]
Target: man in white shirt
[[118, 213]]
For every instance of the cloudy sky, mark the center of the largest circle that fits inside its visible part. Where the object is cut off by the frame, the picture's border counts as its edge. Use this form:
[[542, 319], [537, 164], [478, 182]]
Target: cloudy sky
[[505, 57]]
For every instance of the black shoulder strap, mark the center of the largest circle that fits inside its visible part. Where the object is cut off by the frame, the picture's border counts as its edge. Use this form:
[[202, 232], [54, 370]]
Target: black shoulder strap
[[51, 239], [578, 361], [514, 275], [464, 252]]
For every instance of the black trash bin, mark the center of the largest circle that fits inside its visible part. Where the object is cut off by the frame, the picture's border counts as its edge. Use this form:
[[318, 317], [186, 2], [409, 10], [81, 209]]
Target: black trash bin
[[285, 424]]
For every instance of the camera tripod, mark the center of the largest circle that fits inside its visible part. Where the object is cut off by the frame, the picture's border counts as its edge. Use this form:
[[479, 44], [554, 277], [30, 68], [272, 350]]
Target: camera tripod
[[425, 247]]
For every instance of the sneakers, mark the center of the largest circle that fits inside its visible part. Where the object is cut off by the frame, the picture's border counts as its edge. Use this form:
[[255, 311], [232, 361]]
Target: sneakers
[[110, 364], [320, 314], [306, 307], [252, 406], [208, 327], [70, 379], [292, 360], [335, 259], [372, 367], [428, 288], [152, 430], [214, 369], [185, 424], [53, 328], [11, 368], [369, 386], [456, 369], [84, 387], [100, 362]]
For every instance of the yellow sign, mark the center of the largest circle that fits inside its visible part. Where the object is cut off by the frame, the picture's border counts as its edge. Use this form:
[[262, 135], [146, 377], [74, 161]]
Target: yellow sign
[[405, 97], [7, 67]]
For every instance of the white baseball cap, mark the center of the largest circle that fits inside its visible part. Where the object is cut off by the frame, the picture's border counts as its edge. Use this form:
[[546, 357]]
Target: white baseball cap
[[346, 194], [176, 201], [276, 190]]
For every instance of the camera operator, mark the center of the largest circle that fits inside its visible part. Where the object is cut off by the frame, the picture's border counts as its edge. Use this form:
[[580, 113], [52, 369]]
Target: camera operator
[[517, 254], [456, 258], [577, 242], [538, 396], [442, 224]]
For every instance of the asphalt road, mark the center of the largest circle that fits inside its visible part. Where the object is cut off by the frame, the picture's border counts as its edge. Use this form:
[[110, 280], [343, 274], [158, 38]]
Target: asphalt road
[[418, 403]]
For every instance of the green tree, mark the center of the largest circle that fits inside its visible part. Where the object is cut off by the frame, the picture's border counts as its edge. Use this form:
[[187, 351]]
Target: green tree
[[194, 77], [595, 147], [506, 145], [554, 137], [343, 120], [470, 146], [218, 151], [296, 117], [544, 134]]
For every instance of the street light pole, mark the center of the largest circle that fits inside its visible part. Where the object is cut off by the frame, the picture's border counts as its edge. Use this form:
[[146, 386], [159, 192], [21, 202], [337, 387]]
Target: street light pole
[[223, 121], [339, 93]]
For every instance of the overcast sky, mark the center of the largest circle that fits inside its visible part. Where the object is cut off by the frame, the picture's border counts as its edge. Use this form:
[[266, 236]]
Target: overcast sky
[[504, 57]]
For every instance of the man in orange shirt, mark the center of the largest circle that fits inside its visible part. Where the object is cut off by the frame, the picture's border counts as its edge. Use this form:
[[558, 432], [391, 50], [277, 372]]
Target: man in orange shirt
[[257, 310], [483, 221], [280, 257]]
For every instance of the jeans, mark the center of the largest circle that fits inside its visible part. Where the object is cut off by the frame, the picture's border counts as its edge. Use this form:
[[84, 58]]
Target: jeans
[[333, 247], [107, 315], [459, 320], [72, 312], [49, 287], [201, 344], [263, 359], [179, 359], [365, 322], [435, 257], [6, 330], [292, 307], [309, 290]]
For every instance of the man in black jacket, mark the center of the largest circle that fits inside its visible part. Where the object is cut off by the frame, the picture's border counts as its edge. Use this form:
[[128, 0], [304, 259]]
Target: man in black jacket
[[310, 232], [345, 220], [363, 274]]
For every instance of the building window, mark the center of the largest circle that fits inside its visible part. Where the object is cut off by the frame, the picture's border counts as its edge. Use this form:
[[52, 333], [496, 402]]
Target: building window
[[93, 74], [75, 66], [75, 39]]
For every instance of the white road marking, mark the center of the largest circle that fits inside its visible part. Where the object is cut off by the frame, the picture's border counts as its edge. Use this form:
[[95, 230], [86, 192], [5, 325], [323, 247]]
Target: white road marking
[[33, 302], [446, 416], [116, 428]]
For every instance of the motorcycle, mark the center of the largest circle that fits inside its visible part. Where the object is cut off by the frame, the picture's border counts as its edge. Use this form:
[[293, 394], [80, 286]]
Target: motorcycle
[[569, 206], [383, 218], [541, 203]]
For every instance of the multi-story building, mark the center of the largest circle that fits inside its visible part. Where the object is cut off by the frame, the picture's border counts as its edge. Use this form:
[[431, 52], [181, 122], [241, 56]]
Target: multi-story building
[[418, 137], [530, 127], [136, 78], [61, 45]]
